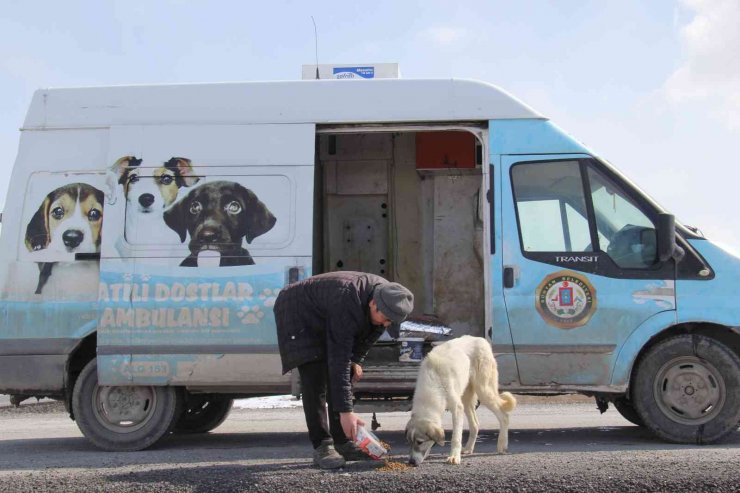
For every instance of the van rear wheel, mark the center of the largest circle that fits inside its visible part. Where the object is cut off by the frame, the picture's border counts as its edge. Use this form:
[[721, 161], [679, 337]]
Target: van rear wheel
[[203, 414], [687, 389], [125, 418]]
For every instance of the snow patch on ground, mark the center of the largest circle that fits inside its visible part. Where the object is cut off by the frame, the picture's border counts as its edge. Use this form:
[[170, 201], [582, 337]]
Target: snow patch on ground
[[5, 401], [270, 402]]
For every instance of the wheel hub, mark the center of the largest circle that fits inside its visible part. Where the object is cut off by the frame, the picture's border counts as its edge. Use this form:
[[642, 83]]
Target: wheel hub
[[123, 409], [689, 390]]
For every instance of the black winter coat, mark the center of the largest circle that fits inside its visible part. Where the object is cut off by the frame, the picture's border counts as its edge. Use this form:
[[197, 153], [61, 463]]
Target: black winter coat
[[327, 318]]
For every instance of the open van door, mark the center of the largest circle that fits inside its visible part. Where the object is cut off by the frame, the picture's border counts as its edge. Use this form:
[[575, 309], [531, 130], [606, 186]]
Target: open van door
[[580, 267]]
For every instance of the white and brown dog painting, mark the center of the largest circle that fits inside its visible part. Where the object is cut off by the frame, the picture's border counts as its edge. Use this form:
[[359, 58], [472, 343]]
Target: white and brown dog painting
[[149, 190], [218, 216], [68, 222]]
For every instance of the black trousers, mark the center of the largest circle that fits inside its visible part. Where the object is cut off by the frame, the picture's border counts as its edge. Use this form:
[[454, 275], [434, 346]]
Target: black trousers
[[323, 424]]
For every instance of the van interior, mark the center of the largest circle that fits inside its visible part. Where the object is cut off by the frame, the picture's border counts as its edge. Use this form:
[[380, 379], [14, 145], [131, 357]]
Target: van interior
[[408, 206]]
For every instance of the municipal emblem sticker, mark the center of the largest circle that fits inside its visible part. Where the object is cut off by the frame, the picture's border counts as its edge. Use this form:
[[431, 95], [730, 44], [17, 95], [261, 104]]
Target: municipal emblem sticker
[[565, 299]]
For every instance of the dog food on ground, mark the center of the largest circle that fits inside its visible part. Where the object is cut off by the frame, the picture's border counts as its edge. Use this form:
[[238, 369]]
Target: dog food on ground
[[392, 466]]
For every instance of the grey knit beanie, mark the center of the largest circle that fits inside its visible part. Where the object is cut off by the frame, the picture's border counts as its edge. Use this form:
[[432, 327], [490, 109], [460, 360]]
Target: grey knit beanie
[[395, 302]]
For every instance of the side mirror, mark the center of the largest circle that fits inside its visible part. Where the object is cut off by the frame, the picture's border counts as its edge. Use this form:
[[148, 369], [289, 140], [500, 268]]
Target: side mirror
[[666, 236]]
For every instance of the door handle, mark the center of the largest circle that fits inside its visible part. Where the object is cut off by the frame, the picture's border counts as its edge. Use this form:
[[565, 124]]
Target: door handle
[[508, 277]]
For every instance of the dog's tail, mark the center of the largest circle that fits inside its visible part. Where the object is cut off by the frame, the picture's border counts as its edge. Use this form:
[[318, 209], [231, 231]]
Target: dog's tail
[[488, 371], [509, 402]]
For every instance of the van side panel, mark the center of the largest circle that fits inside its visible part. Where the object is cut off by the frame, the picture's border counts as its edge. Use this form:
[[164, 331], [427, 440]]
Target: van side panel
[[530, 136], [694, 305], [187, 289], [632, 346], [53, 212]]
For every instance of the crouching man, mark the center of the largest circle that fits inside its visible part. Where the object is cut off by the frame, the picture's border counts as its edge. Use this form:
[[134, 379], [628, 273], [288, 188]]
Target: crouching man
[[326, 325]]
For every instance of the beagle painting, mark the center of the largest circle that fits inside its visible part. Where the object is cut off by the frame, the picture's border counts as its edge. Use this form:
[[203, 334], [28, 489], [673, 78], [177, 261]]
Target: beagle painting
[[69, 220], [218, 215], [149, 191]]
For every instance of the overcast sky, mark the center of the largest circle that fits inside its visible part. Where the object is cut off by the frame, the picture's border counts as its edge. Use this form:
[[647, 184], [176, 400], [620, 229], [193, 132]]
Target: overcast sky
[[652, 86]]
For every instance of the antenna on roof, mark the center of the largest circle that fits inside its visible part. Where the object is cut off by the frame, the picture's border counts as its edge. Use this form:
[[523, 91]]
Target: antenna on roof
[[316, 43]]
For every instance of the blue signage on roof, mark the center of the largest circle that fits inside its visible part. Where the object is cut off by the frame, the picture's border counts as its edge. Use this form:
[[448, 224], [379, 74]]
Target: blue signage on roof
[[354, 72]]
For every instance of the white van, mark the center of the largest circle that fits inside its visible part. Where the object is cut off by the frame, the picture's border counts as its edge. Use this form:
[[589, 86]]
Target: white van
[[148, 230]]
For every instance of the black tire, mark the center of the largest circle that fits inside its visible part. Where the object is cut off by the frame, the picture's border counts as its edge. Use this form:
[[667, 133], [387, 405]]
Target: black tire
[[203, 414], [627, 410], [687, 389], [122, 419]]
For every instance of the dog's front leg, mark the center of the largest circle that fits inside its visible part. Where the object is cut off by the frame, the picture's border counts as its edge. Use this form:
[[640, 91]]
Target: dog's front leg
[[457, 426]]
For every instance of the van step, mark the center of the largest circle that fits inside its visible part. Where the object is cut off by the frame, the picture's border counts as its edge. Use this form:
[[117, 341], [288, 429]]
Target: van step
[[390, 378]]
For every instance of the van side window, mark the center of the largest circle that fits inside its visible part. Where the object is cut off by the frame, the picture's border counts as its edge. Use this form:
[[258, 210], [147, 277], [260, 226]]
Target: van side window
[[61, 230], [215, 219], [551, 207], [62, 216], [147, 198], [626, 234]]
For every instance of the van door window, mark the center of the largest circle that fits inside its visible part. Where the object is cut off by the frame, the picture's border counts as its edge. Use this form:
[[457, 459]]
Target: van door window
[[573, 213], [61, 225], [194, 218], [626, 234], [148, 192], [551, 206]]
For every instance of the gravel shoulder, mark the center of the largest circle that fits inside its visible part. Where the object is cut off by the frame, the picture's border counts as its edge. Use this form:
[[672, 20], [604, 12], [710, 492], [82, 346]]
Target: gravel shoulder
[[557, 443]]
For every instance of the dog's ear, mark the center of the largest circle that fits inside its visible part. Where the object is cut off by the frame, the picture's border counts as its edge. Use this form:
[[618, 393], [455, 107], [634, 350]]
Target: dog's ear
[[122, 164], [409, 432], [259, 218], [175, 217], [437, 433], [111, 183], [184, 174], [37, 231]]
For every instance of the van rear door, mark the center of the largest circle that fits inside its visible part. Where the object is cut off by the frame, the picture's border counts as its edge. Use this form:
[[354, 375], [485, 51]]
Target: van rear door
[[207, 224]]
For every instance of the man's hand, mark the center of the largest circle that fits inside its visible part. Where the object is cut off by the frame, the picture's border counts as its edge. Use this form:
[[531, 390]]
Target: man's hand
[[350, 421], [356, 372]]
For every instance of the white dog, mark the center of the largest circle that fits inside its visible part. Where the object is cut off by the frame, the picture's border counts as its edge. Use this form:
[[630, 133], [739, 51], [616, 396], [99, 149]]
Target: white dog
[[453, 376]]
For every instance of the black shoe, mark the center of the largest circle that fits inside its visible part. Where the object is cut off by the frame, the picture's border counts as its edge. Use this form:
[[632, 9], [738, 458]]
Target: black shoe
[[351, 452], [326, 457]]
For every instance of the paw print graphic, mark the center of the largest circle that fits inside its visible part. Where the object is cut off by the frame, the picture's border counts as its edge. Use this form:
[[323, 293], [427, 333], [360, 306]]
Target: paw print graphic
[[128, 277], [250, 316], [268, 296], [145, 277]]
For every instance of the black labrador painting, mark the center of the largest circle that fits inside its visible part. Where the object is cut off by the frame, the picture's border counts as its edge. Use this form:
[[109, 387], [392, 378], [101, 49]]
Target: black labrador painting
[[217, 216], [69, 220]]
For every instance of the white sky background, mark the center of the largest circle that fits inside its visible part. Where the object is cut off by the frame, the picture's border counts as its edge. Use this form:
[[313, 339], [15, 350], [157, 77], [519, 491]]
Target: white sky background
[[654, 87]]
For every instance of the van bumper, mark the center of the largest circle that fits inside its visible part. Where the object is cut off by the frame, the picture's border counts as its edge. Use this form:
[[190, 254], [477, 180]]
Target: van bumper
[[34, 366], [32, 374]]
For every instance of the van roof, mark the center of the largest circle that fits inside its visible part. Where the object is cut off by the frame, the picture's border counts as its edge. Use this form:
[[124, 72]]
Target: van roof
[[306, 101]]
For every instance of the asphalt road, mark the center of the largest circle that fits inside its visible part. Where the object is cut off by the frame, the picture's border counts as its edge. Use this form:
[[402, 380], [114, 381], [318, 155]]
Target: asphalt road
[[557, 446]]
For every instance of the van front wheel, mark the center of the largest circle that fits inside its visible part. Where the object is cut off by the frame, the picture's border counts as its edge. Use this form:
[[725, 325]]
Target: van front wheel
[[687, 389], [122, 419], [627, 410]]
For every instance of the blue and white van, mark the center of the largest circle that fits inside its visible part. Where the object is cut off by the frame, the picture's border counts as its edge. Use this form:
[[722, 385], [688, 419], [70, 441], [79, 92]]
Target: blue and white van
[[148, 230]]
